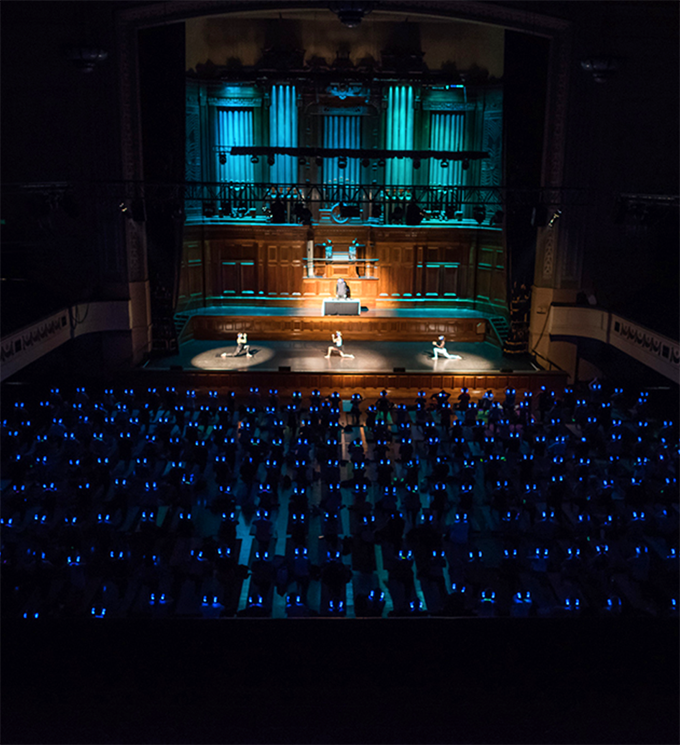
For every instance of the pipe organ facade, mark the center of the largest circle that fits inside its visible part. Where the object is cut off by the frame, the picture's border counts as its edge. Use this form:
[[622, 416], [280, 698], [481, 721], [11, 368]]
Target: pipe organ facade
[[396, 226]]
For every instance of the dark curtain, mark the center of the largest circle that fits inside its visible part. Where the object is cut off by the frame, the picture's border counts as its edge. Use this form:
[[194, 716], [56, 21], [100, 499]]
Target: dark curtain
[[162, 101], [525, 78]]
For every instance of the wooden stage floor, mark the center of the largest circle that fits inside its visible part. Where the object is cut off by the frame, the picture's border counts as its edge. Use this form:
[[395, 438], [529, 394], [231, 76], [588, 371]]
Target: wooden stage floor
[[480, 358]]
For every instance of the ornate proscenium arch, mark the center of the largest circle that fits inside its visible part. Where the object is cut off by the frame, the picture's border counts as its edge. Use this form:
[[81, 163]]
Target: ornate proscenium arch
[[557, 31]]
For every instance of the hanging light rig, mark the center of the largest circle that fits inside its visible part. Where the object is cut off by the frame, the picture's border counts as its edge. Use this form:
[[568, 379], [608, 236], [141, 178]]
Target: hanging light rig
[[417, 156]]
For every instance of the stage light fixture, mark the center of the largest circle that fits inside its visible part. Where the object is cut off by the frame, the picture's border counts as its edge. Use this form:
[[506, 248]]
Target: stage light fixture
[[601, 68], [479, 213], [342, 162], [271, 159], [556, 216], [350, 12], [302, 161], [85, 57], [365, 162], [444, 164], [381, 162], [254, 159], [416, 163], [223, 158], [466, 163]]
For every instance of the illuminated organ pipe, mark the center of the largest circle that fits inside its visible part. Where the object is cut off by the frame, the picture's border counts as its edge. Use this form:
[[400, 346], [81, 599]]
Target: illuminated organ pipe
[[341, 132], [399, 134], [446, 133], [283, 133], [234, 127]]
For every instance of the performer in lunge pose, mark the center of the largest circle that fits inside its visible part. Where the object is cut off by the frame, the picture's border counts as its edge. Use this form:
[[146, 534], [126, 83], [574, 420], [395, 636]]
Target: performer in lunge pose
[[241, 347], [337, 341], [440, 349]]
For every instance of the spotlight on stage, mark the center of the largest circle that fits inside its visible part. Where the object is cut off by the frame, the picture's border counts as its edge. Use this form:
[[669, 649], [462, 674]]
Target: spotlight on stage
[[223, 158], [479, 213], [466, 163], [381, 163], [254, 159], [342, 162], [444, 164], [271, 159], [365, 162]]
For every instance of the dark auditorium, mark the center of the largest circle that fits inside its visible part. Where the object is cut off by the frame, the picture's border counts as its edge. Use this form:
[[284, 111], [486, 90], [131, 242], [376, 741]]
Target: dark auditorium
[[340, 357]]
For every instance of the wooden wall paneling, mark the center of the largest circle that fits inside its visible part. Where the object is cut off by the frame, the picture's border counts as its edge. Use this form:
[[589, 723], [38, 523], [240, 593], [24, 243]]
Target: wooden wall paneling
[[195, 274], [418, 274], [230, 284], [417, 263], [385, 282], [498, 286], [484, 283], [248, 272], [403, 386], [431, 280], [268, 253], [449, 280], [295, 273], [487, 256], [410, 266]]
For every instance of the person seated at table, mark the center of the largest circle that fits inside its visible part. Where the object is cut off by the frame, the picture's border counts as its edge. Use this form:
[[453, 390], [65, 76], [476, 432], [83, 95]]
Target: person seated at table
[[342, 291]]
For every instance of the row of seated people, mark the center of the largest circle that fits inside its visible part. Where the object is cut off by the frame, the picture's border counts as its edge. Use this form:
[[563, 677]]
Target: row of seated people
[[188, 503]]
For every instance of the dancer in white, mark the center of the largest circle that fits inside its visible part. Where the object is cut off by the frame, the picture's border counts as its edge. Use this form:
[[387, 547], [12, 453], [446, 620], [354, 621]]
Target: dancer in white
[[337, 341], [241, 347], [440, 349]]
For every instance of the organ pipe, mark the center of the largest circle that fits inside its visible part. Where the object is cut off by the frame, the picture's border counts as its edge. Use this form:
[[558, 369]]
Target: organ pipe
[[283, 132], [399, 133]]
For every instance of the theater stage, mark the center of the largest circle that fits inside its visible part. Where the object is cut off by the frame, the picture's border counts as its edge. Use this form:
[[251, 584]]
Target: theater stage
[[391, 349], [477, 358]]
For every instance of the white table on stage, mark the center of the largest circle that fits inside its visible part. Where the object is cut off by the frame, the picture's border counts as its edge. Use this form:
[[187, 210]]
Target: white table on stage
[[335, 307]]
